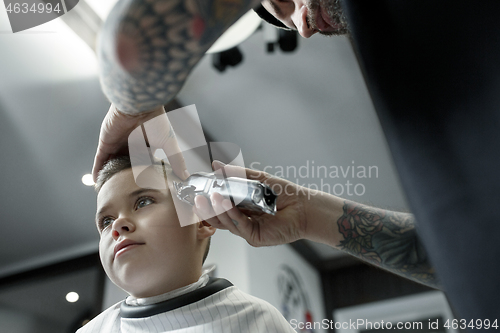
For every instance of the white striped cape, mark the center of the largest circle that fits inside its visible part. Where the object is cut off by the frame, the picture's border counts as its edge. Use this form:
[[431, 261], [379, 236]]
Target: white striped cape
[[219, 307]]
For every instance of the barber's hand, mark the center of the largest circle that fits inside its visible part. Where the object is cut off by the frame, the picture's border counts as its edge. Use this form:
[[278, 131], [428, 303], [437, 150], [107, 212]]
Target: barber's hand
[[258, 229], [113, 139]]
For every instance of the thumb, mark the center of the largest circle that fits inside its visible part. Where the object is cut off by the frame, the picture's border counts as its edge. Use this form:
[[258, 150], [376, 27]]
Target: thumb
[[238, 171], [216, 165]]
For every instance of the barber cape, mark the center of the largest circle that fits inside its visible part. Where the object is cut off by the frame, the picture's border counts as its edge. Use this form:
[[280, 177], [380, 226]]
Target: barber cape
[[216, 307]]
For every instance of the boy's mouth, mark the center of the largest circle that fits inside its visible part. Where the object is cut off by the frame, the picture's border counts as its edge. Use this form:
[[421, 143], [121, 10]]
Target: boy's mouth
[[125, 245]]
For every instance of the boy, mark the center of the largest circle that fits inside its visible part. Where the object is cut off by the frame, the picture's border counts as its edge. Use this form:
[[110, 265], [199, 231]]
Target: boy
[[146, 252]]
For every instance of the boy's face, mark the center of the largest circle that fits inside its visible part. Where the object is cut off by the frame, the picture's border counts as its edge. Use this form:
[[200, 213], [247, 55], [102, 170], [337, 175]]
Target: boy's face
[[143, 248]]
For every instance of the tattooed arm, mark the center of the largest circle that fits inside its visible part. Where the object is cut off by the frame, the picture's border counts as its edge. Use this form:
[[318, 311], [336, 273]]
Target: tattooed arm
[[381, 237], [148, 48], [386, 239]]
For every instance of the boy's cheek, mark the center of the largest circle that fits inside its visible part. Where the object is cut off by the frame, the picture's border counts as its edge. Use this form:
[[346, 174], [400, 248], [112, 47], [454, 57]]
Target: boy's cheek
[[104, 253], [107, 265]]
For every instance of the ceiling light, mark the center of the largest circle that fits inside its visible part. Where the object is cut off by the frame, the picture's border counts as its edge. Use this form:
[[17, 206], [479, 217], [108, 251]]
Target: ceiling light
[[72, 297], [88, 180]]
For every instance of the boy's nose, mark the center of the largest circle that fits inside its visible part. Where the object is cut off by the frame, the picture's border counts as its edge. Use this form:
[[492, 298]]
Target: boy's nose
[[122, 226], [300, 20]]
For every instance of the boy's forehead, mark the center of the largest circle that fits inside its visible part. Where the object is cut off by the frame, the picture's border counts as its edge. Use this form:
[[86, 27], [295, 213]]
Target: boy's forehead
[[119, 184], [123, 183]]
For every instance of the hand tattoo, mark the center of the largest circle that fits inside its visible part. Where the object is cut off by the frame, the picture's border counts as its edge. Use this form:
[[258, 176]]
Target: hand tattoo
[[386, 239]]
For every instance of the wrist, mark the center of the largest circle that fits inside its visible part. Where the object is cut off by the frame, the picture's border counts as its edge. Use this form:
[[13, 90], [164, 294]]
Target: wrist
[[141, 114], [322, 212]]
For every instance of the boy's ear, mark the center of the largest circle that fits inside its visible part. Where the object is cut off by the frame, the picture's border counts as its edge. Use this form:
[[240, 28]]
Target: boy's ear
[[205, 230]]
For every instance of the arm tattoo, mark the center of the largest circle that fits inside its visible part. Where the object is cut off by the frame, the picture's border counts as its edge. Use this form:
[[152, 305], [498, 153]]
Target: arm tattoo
[[386, 239], [148, 47]]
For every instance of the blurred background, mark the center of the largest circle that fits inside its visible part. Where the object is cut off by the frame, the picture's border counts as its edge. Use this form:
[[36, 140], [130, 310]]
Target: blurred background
[[293, 107]]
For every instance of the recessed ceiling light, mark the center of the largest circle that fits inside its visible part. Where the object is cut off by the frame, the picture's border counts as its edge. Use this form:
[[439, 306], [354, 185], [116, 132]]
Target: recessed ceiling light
[[72, 297], [88, 180]]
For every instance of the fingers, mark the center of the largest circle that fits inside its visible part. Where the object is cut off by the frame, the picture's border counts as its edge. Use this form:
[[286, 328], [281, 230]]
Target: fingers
[[176, 158], [116, 129], [113, 136], [102, 154], [99, 160], [160, 135], [232, 216], [222, 215], [237, 171], [205, 212]]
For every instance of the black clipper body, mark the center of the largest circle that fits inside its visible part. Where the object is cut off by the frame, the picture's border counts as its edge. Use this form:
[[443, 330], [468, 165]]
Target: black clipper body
[[247, 194]]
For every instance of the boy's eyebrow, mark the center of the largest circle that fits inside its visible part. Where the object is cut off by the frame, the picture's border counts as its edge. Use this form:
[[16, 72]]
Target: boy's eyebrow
[[131, 195], [142, 190]]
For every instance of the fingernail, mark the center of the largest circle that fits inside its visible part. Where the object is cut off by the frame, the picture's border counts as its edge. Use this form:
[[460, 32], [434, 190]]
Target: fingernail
[[219, 164], [185, 174], [213, 202], [226, 204]]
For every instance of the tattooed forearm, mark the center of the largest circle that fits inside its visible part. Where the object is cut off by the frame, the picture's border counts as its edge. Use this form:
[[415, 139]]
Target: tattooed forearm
[[386, 239], [148, 47]]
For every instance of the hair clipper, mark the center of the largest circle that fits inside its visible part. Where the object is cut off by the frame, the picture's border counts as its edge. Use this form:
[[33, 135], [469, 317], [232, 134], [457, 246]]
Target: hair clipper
[[247, 194]]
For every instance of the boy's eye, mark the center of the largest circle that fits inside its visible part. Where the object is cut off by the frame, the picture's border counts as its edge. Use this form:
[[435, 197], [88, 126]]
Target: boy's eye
[[105, 222], [143, 202]]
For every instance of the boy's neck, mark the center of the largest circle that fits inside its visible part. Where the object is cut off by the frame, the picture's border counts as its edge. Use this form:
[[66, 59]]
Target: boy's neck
[[184, 289]]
